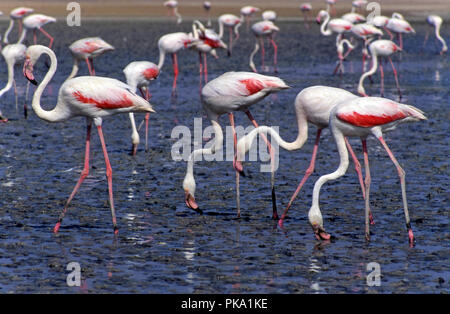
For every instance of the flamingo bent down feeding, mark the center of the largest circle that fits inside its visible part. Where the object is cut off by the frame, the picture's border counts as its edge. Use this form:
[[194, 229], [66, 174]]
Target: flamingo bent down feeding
[[232, 91], [16, 14], [261, 30], [90, 96], [139, 74], [361, 117]]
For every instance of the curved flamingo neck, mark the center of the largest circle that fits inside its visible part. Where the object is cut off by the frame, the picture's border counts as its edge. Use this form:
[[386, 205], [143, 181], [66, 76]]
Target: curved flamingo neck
[[324, 30], [189, 181], [244, 143], [74, 70], [370, 72], [22, 35], [162, 56], [8, 30], [314, 215], [10, 64], [59, 113], [437, 31]]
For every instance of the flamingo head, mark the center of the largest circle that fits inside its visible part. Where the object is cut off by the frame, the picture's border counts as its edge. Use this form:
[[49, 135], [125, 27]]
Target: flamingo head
[[28, 70], [189, 190], [321, 15]]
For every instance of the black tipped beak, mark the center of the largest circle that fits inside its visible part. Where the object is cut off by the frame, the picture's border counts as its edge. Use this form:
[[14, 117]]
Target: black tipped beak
[[33, 81]]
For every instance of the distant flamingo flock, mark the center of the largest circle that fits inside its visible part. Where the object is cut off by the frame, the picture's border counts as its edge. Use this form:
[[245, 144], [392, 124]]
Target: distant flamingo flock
[[344, 113]]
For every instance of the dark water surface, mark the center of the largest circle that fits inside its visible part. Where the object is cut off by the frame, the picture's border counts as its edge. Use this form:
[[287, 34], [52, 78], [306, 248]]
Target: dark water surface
[[164, 247]]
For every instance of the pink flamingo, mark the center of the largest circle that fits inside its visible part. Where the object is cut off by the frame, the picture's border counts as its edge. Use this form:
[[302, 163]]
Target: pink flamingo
[[173, 7], [36, 22], [13, 54], [397, 24], [380, 21], [306, 10], [436, 22], [206, 41], [269, 15], [247, 13], [232, 22], [358, 5], [139, 74], [16, 14], [232, 91], [172, 43], [87, 49], [382, 48], [263, 29], [90, 96], [361, 117], [366, 32], [312, 105]]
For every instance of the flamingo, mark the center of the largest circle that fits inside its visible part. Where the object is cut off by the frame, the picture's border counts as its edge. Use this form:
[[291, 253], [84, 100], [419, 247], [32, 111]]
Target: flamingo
[[93, 97], [397, 24], [436, 22], [328, 27], [16, 14], [353, 17], [232, 22], [172, 43], [173, 9], [139, 74], [206, 41], [340, 52], [36, 22], [260, 30], [306, 10], [361, 117], [269, 15], [207, 8], [232, 91], [312, 105], [366, 32], [382, 48], [381, 22], [87, 49], [13, 54], [247, 13]]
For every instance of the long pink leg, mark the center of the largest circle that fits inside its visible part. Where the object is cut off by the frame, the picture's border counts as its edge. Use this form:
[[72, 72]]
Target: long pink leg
[[275, 52], [205, 67], [200, 70], [91, 72], [175, 73], [83, 175], [401, 174], [238, 201], [396, 77], [34, 37], [147, 115], [20, 26], [230, 44], [263, 52], [360, 177], [48, 36], [308, 172], [368, 215], [272, 158], [109, 176], [381, 78]]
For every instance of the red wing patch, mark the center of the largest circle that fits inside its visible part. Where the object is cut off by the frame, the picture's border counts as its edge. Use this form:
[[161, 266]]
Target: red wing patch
[[151, 73], [120, 102], [253, 86], [211, 43], [367, 120]]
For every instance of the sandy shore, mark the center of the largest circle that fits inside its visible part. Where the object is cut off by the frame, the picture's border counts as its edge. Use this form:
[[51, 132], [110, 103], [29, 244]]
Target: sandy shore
[[286, 9]]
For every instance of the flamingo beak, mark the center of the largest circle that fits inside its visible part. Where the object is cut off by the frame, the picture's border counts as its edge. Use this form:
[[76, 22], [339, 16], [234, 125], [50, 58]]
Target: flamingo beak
[[320, 233], [28, 71], [190, 202]]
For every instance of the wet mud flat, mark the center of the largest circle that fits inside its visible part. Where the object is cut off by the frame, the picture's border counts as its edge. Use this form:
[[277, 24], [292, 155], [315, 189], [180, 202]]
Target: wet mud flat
[[164, 247]]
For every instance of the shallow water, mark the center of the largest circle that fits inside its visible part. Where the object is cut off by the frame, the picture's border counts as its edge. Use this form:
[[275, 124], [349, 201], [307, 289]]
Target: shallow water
[[164, 247]]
